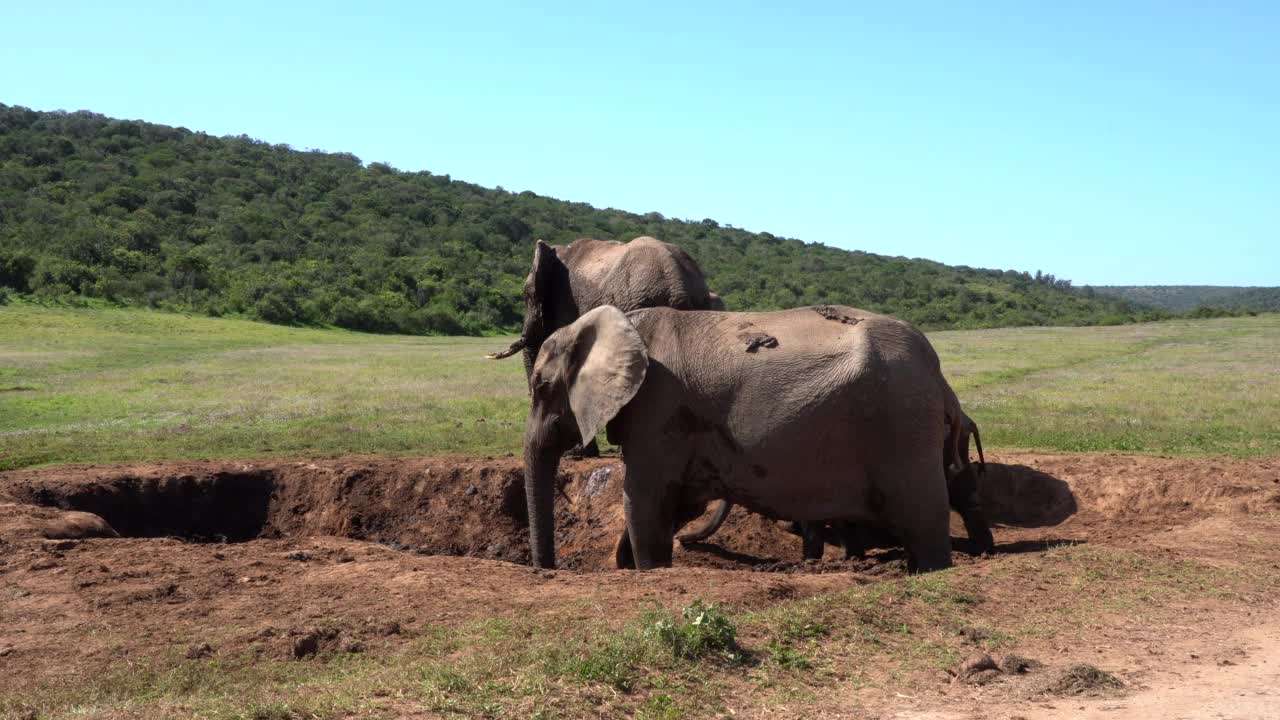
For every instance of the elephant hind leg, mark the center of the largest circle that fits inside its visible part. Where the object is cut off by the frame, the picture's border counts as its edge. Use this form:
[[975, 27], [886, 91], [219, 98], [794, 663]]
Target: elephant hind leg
[[963, 497], [850, 537], [916, 507], [814, 542]]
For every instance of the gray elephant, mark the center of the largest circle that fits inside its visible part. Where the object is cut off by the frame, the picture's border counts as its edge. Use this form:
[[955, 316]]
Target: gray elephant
[[817, 414], [568, 280], [962, 479]]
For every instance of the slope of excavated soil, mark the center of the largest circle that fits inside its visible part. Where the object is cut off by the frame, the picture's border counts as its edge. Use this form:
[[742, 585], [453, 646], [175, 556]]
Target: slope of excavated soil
[[242, 555]]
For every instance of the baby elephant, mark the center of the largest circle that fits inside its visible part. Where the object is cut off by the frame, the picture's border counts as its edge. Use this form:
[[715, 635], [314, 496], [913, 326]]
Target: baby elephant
[[962, 480]]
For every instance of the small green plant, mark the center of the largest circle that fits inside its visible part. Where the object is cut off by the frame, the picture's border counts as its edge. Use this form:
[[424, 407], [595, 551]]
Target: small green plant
[[787, 657], [802, 628], [659, 706], [704, 631]]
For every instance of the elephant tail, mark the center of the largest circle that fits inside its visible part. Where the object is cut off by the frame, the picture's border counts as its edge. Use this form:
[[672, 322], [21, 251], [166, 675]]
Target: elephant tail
[[710, 528], [953, 456], [977, 438]]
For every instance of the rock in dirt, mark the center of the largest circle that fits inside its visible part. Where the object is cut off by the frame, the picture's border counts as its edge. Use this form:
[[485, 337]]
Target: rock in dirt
[[300, 555], [1082, 679]]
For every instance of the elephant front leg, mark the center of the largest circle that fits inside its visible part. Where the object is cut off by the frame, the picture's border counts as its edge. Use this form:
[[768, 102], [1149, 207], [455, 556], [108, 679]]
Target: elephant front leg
[[649, 529]]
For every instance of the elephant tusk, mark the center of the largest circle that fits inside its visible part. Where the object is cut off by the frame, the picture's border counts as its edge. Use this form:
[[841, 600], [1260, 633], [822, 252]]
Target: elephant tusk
[[516, 347]]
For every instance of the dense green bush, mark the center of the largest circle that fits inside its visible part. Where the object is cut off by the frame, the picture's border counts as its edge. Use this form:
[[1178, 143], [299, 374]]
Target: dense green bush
[[140, 214]]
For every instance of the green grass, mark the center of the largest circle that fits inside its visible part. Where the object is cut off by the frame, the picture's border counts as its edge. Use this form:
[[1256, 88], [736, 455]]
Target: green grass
[[100, 385], [91, 385], [1191, 387]]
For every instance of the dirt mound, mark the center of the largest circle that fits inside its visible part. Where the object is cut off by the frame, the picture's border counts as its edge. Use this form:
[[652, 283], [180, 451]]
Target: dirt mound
[[23, 521], [476, 507], [1127, 494]]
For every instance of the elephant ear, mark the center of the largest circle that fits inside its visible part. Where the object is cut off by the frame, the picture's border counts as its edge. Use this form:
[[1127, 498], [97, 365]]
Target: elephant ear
[[607, 365]]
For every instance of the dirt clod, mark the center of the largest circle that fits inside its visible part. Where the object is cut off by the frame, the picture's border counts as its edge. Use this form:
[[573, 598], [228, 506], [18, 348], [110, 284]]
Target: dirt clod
[[311, 641], [1082, 679], [202, 650], [1016, 664], [974, 635], [978, 669]]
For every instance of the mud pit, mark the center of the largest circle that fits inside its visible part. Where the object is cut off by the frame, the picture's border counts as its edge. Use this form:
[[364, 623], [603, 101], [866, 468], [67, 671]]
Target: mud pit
[[245, 555], [476, 508]]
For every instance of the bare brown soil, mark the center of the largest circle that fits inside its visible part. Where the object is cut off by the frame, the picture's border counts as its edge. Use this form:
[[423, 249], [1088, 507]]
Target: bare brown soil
[[248, 555]]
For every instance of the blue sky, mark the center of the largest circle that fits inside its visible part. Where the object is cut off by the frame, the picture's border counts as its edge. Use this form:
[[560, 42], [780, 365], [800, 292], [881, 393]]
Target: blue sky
[[1107, 142]]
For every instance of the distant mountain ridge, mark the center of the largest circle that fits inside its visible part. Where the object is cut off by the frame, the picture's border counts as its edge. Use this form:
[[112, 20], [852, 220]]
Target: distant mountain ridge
[[1183, 298], [133, 213]]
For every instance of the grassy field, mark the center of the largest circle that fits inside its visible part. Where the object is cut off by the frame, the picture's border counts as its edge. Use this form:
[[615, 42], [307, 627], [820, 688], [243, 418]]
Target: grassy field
[[111, 385]]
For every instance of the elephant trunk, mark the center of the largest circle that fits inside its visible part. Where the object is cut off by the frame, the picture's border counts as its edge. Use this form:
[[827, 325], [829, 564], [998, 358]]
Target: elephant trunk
[[516, 347], [540, 466], [706, 531], [530, 355]]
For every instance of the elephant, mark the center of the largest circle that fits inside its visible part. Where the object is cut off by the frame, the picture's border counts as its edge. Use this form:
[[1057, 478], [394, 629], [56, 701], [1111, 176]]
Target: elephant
[[962, 479], [817, 414], [568, 280]]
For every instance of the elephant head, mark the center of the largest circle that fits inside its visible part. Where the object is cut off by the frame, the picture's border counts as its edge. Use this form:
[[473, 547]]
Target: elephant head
[[567, 280], [584, 374], [548, 304]]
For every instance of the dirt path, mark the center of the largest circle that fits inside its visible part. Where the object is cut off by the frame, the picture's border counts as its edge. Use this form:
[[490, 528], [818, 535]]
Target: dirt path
[[1239, 682], [242, 557]]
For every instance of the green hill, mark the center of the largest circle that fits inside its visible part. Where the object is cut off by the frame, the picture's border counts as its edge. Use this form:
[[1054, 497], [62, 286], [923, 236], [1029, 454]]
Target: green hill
[[133, 213], [1181, 298]]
